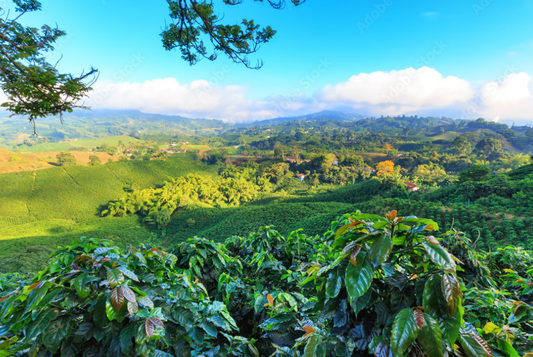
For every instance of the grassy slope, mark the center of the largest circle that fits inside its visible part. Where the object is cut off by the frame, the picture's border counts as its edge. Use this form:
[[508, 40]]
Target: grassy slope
[[14, 162], [89, 143], [58, 204]]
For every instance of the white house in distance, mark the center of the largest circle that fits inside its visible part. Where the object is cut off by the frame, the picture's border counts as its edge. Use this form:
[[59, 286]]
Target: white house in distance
[[300, 177], [411, 187]]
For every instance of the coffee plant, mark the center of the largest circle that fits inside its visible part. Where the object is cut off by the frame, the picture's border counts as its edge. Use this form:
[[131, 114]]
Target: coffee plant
[[370, 286]]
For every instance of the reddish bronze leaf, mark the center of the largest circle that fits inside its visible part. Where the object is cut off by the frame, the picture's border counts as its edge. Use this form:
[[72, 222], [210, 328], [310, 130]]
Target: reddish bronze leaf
[[149, 328], [308, 330], [128, 293], [33, 286], [451, 291], [156, 321], [117, 298], [8, 295], [353, 255], [133, 307], [433, 240], [484, 344], [419, 318], [391, 215]]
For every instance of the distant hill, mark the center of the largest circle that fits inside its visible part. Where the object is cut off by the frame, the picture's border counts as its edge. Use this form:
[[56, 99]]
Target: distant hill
[[323, 115]]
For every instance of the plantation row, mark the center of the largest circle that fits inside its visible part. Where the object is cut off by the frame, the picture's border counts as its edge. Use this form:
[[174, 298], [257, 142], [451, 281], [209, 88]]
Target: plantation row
[[370, 285]]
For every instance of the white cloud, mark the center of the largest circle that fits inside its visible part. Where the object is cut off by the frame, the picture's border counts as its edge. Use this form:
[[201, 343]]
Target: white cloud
[[167, 96], [422, 91], [510, 98], [430, 13], [398, 92]]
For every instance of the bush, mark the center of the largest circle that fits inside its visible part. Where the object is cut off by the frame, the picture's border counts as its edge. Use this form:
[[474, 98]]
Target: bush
[[370, 285]]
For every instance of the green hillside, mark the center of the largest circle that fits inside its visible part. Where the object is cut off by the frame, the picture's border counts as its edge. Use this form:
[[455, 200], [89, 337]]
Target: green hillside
[[47, 207]]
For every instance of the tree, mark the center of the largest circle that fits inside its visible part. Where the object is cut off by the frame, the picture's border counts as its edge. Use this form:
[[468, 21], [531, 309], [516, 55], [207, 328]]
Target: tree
[[489, 147], [66, 159], [385, 168], [194, 20], [94, 160], [475, 173], [386, 148], [34, 87], [353, 161], [429, 174], [461, 145]]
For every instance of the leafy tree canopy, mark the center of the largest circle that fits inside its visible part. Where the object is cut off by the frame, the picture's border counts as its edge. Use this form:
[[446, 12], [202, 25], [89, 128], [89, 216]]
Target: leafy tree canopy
[[34, 87]]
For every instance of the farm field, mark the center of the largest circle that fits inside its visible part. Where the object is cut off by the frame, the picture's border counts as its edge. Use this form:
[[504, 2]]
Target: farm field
[[87, 143], [64, 202], [15, 162]]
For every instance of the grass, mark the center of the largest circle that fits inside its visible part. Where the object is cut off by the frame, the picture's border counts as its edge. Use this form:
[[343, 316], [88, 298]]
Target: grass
[[14, 162], [220, 223], [88, 143], [47, 207], [202, 148]]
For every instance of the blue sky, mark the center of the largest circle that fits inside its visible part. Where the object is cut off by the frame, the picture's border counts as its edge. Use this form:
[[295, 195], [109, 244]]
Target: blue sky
[[318, 50]]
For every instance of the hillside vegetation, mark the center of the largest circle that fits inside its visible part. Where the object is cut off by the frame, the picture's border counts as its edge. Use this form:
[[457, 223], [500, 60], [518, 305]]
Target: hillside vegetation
[[371, 285]]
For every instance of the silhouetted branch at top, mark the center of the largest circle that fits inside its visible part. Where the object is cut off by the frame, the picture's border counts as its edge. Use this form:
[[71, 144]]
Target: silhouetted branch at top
[[33, 86], [196, 20]]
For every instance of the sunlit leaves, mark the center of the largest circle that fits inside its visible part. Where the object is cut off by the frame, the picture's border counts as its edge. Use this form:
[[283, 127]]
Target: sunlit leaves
[[381, 250], [150, 325], [404, 331], [430, 337], [358, 278], [82, 286], [114, 277], [451, 290], [439, 255]]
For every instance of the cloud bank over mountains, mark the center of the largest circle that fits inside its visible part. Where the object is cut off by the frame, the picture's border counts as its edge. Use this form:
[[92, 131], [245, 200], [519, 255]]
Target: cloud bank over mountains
[[422, 91]]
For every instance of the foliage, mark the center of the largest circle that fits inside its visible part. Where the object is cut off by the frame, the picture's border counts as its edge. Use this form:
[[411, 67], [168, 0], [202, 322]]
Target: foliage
[[369, 285], [385, 168], [34, 87], [95, 298], [66, 159], [158, 204]]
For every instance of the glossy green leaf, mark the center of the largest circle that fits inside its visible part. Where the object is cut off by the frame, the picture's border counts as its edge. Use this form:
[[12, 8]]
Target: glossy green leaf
[[358, 304], [113, 314], [380, 250], [82, 287], [451, 325], [472, 347], [508, 348], [333, 286], [40, 323], [430, 337], [439, 255], [404, 332], [35, 297], [56, 332], [99, 313], [312, 345], [358, 279], [114, 277]]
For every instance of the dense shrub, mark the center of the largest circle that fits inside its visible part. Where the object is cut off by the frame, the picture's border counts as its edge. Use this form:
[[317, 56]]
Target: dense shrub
[[369, 285]]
